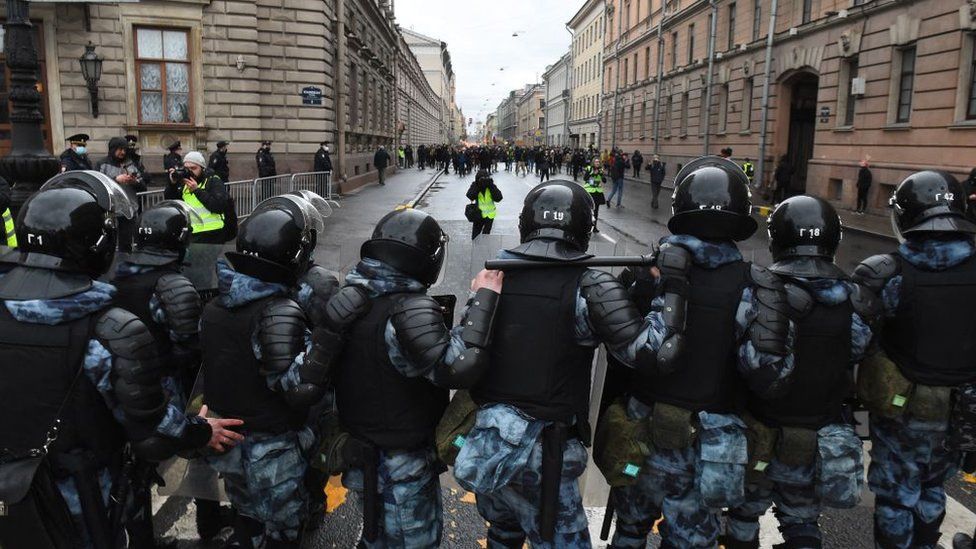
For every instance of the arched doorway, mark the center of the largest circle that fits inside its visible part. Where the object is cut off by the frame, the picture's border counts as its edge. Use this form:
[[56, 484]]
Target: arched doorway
[[798, 97]]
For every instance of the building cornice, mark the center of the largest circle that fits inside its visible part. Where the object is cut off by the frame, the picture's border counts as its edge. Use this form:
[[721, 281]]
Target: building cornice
[[584, 12]]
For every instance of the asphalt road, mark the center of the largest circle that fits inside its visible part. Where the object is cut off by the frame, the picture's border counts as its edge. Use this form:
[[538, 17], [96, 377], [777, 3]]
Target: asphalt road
[[624, 231]]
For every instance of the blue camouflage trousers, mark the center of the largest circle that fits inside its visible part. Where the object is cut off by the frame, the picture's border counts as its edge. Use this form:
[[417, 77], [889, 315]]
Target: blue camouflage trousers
[[793, 490], [264, 476], [513, 509], [909, 467], [409, 484]]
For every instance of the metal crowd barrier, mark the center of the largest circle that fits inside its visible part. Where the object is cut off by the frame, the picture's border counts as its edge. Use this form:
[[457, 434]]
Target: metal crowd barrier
[[248, 193]]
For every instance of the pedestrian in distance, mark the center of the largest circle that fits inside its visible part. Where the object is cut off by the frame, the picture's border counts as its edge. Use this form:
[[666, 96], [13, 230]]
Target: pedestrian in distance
[[783, 179], [8, 236], [618, 169], [205, 193], [218, 161], [637, 161], [543, 166], [381, 159], [750, 170], [173, 160], [864, 178], [485, 194], [267, 168], [117, 166], [657, 170], [593, 183]]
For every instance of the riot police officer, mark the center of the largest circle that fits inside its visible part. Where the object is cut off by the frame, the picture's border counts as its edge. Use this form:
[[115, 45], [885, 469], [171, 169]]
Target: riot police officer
[[393, 375], [928, 291], [264, 365], [527, 448], [722, 329], [80, 377], [806, 455]]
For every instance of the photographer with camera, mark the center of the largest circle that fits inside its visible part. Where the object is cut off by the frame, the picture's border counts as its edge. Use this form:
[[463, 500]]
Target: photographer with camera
[[204, 191], [123, 171]]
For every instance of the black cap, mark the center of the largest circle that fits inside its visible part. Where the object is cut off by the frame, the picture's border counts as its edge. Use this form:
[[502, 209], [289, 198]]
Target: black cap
[[266, 142], [930, 201], [175, 145], [712, 201], [79, 139], [132, 140], [410, 241], [222, 144], [804, 233]]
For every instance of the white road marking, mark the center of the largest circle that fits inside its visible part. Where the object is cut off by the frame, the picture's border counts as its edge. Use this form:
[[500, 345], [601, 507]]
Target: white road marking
[[612, 241]]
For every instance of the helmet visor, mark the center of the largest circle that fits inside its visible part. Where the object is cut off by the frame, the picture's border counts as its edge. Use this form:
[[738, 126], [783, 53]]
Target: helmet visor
[[301, 210], [107, 193], [443, 251], [316, 201], [192, 217]]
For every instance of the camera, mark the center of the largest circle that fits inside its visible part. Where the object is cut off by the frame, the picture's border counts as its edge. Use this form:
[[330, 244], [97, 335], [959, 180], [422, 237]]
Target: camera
[[180, 175]]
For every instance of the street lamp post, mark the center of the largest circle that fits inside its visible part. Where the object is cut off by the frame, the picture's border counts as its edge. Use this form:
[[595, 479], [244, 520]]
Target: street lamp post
[[29, 164]]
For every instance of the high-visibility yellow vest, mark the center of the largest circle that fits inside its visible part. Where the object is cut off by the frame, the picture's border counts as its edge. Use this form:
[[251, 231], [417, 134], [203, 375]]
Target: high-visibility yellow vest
[[594, 182], [748, 168], [10, 238], [209, 221], [486, 204]]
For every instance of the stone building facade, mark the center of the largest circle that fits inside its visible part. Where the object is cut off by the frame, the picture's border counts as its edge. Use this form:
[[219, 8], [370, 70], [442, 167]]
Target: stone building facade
[[435, 61], [418, 107], [556, 82], [530, 110], [201, 71], [508, 117], [884, 80], [587, 51], [491, 128]]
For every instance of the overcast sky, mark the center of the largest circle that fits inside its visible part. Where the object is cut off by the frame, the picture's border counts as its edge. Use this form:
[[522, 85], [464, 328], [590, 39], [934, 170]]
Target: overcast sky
[[479, 37]]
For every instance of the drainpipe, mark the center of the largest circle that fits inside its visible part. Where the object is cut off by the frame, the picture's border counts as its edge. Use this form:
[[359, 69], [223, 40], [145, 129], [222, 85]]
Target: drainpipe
[[616, 87], [660, 78], [711, 67], [341, 87], [761, 160]]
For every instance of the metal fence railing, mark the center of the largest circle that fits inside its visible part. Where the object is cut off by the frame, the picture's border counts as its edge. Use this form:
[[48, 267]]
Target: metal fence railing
[[248, 193]]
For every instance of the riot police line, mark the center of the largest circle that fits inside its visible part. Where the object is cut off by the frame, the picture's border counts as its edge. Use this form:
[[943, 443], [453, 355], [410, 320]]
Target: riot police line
[[730, 388]]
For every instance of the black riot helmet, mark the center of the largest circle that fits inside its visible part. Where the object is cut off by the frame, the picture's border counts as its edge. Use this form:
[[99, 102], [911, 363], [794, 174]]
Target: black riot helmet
[[275, 243], [712, 201], [412, 242], [67, 235], [556, 221], [929, 201], [804, 232], [164, 233]]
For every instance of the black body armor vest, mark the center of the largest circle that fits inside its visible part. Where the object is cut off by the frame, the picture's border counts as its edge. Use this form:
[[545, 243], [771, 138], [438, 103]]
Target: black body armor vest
[[134, 294], [536, 364], [707, 378], [932, 337], [377, 403], [233, 384], [822, 377], [37, 365]]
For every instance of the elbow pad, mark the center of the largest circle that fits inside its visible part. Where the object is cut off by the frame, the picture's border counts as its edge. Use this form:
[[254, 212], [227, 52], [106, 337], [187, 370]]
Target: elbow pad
[[875, 272], [315, 370], [674, 262], [613, 316], [346, 306], [137, 370], [281, 335], [420, 329], [867, 306], [770, 330], [181, 302]]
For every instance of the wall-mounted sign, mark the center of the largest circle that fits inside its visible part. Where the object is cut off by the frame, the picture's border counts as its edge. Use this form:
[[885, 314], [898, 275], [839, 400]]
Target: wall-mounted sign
[[311, 95], [824, 114]]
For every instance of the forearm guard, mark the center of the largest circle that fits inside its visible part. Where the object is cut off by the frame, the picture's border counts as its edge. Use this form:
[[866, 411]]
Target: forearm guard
[[770, 330], [136, 369], [181, 303], [323, 285], [314, 372], [158, 448], [479, 324], [875, 272], [674, 262], [613, 316]]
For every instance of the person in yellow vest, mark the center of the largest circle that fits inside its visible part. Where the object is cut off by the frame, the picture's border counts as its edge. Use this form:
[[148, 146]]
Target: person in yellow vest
[[204, 192], [593, 183], [484, 191], [7, 236]]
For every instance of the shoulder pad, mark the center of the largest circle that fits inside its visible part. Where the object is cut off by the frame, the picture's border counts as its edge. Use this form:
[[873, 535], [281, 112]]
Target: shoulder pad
[[124, 335], [866, 303], [420, 328], [346, 306], [595, 277], [613, 316], [764, 278], [673, 259], [322, 281], [281, 334], [181, 302], [875, 271], [799, 300]]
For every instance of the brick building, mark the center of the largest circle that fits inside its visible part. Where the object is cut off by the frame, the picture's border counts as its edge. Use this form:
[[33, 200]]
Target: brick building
[[891, 81], [201, 71]]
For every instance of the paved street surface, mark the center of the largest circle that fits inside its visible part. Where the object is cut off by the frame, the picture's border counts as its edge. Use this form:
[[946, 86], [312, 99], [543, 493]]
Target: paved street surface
[[627, 230]]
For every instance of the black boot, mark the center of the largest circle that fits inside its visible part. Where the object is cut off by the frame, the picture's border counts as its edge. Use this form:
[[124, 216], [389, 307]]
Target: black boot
[[208, 519], [927, 534], [729, 542]]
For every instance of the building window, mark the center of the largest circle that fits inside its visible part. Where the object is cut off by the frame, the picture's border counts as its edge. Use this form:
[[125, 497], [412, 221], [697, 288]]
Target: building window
[[691, 43], [971, 105], [906, 84], [731, 26], [756, 19], [746, 120], [668, 117], [674, 50], [163, 69], [643, 119], [647, 62], [626, 71], [848, 70], [685, 99], [723, 108], [807, 10], [626, 16]]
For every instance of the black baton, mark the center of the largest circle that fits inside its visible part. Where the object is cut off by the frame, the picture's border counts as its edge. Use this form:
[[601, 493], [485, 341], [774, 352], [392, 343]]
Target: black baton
[[596, 261], [553, 441], [607, 519], [371, 499]]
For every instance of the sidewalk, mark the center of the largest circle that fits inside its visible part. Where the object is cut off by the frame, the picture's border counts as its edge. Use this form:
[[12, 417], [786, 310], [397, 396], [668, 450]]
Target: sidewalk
[[872, 224]]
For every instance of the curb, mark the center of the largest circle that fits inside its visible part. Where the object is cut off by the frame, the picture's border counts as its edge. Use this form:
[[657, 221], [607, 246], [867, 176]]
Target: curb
[[423, 192]]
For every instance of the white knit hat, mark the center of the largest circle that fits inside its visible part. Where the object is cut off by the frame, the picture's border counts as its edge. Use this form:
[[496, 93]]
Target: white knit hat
[[195, 158]]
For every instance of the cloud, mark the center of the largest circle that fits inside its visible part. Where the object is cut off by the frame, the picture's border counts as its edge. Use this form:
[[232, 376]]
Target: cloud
[[479, 38]]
